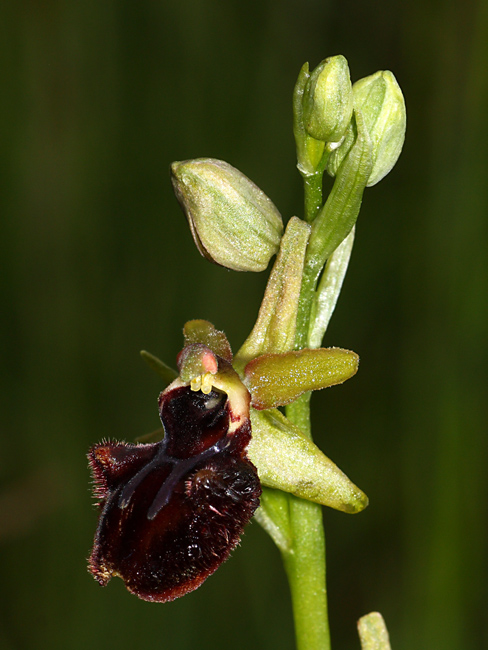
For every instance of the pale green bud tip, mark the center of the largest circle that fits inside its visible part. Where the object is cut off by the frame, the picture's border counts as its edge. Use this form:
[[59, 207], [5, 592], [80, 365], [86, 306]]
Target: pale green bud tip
[[232, 221], [381, 102], [327, 101], [373, 633]]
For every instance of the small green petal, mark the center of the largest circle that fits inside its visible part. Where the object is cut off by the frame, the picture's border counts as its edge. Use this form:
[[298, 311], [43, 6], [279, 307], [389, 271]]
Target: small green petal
[[278, 379], [166, 373], [287, 460]]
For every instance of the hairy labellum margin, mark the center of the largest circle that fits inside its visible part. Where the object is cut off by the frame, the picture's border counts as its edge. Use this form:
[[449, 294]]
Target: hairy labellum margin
[[172, 511]]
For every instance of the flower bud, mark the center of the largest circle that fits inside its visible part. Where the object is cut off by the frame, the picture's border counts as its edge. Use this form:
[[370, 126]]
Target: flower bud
[[232, 221], [380, 100], [327, 101]]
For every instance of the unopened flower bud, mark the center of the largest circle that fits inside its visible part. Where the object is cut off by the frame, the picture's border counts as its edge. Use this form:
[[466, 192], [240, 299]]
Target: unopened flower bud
[[232, 221], [327, 101], [380, 100]]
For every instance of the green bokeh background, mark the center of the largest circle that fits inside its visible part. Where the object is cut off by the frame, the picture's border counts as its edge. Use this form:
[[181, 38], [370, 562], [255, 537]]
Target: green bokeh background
[[96, 262]]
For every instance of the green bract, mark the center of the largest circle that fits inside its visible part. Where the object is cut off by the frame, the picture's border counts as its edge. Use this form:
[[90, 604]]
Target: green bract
[[274, 330], [232, 221], [327, 100], [339, 213]]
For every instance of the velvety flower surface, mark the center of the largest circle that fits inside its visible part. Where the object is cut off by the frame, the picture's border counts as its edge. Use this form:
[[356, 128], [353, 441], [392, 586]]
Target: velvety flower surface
[[172, 511]]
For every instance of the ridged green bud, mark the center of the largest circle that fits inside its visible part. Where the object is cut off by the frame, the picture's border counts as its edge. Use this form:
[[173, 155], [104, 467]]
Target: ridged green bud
[[380, 100], [232, 221], [327, 100]]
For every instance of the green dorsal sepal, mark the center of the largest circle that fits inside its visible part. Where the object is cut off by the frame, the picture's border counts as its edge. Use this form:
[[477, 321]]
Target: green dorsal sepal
[[201, 331]]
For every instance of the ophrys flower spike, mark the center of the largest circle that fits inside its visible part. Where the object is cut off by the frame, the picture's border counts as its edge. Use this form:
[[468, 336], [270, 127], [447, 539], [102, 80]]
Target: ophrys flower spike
[[174, 505]]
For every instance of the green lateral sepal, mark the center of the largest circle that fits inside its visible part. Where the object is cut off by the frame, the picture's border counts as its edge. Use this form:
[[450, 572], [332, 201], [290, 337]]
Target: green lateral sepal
[[288, 461]]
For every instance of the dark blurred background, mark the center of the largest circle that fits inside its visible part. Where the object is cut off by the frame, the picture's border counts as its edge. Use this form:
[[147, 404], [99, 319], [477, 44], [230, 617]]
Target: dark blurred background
[[97, 262]]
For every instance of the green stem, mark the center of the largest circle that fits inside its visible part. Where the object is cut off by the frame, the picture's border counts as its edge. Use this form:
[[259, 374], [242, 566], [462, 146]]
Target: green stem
[[313, 195], [305, 567], [305, 560], [333, 222]]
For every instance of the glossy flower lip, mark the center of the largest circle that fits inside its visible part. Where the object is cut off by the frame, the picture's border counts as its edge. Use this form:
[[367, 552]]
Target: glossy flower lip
[[172, 511]]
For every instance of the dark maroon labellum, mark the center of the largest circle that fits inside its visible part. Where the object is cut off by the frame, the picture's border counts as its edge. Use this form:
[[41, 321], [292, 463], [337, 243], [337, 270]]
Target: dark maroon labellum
[[172, 511]]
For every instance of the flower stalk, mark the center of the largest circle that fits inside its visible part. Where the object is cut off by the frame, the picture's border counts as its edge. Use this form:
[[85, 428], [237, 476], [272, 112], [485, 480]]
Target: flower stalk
[[305, 563]]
